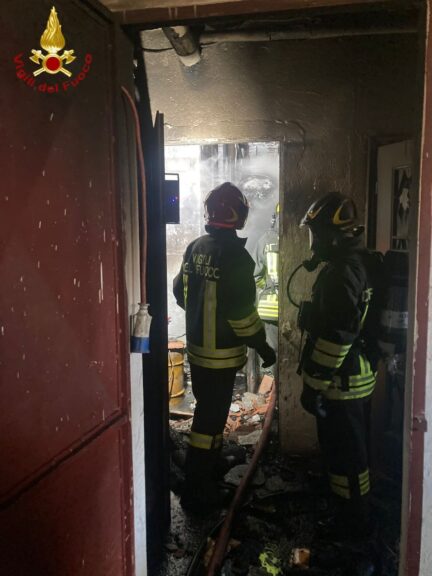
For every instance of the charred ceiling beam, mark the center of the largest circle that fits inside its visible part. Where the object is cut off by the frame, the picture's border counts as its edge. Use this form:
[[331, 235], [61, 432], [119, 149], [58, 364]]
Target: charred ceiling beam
[[158, 12], [184, 43], [311, 34]]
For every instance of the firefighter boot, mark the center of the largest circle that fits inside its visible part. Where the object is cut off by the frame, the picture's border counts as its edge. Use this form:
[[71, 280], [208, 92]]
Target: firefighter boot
[[201, 492]]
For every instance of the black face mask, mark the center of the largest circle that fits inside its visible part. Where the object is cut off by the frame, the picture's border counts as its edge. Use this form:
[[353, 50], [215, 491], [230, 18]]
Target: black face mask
[[323, 243]]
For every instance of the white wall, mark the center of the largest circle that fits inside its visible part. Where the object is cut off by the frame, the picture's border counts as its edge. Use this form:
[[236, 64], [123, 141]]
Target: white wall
[[426, 556], [426, 550], [137, 390], [131, 259], [139, 489]]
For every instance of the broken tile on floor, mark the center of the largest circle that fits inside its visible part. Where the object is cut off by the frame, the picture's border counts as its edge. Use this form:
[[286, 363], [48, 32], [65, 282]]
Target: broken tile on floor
[[250, 439], [266, 384], [235, 475], [181, 425]]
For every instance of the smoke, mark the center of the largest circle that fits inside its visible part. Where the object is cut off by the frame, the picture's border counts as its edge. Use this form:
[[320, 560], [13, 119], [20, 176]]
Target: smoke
[[253, 167]]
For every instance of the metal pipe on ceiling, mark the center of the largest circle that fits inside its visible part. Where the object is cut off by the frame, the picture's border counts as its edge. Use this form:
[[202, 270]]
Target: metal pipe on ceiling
[[184, 43], [187, 45]]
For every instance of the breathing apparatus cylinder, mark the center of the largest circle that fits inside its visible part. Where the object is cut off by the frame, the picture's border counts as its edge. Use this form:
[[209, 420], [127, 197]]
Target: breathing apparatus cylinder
[[394, 314]]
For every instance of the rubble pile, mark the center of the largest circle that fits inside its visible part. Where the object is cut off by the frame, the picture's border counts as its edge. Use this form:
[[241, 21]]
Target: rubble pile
[[278, 531], [247, 413], [282, 527]]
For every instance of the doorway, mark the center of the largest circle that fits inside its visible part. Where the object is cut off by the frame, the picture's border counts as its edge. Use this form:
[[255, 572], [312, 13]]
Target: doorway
[[246, 90], [254, 168]]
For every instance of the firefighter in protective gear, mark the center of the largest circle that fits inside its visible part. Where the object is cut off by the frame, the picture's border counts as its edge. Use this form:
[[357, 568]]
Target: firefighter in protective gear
[[216, 288], [338, 374], [267, 279]]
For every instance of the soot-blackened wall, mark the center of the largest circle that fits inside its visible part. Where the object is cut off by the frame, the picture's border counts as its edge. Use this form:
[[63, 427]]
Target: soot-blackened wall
[[324, 100]]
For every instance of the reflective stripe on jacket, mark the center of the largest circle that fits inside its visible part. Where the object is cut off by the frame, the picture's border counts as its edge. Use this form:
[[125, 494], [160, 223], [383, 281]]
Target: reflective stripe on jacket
[[268, 307], [217, 290], [267, 275]]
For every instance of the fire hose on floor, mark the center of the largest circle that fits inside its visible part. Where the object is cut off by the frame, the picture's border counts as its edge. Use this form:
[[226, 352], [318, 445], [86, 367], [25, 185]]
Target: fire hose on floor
[[220, 548]]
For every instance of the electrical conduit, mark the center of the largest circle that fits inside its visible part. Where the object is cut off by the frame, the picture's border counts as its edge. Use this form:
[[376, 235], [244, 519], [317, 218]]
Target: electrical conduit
[[140, 338]]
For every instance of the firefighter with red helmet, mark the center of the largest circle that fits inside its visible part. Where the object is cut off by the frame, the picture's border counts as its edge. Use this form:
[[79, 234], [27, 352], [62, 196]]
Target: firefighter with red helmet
[[338, 364], [216, 288]]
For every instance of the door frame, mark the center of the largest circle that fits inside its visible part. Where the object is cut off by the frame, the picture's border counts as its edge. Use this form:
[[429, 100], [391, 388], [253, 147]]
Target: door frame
[[419, 329], [420, 366]]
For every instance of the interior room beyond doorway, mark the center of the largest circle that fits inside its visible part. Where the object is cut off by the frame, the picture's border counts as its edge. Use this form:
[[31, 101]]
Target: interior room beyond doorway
[[254, 168]]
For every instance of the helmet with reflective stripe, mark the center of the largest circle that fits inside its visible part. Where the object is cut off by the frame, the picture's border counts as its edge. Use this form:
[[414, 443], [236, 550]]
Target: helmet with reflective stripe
[[334, 211], [226, 207], [332, 225]]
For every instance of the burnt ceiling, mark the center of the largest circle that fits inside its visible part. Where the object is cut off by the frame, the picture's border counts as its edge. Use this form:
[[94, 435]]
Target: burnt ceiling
[[226, 15], [329, 20]]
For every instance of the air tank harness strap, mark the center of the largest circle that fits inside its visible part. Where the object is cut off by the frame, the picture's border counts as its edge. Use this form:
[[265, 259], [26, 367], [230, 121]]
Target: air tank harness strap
[[366, 298], [305, 353]]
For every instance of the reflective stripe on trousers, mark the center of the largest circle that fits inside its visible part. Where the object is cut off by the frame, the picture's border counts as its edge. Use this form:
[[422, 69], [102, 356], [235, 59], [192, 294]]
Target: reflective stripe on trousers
[[340, 485], [204, 441]]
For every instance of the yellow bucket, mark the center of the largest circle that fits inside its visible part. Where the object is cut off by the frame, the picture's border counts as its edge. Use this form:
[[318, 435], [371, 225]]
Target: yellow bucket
[[175, 368]]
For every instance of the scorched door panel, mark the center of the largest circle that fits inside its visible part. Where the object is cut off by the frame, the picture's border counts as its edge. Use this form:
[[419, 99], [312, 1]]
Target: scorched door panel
[[74, 521], [61, 302]]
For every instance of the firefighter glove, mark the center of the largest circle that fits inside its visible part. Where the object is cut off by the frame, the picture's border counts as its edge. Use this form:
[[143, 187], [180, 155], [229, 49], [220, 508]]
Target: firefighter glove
[[268, 355], [314, 402], [321, 406]]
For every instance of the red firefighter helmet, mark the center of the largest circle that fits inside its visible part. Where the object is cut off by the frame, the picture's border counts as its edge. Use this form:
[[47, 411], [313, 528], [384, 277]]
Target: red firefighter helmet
[[226, 207]]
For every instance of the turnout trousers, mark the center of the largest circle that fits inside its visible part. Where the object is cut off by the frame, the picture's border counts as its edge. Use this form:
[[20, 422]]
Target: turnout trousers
[[213, 390], [344, 439]]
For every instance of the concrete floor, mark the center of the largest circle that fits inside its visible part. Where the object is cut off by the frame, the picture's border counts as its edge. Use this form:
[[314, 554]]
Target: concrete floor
[[186, 535], [286, 521]]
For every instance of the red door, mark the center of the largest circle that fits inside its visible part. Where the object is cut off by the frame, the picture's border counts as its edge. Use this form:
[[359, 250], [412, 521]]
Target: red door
[[65, 463]]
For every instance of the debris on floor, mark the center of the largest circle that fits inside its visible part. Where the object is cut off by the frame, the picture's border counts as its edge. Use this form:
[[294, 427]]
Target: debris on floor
[[235, 475], [300, 558], [266, 385], [181, 425], [247, 414], [277, 531], [248, 439], [232, 545]]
